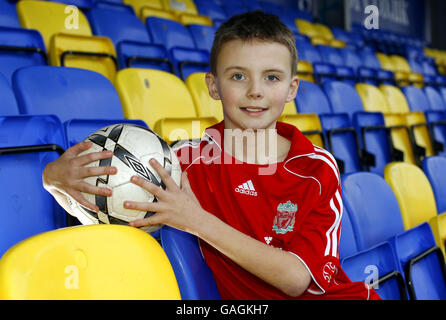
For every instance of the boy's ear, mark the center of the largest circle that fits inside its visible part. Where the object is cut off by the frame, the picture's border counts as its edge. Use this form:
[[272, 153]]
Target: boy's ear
[[294, 86], [212, 86]]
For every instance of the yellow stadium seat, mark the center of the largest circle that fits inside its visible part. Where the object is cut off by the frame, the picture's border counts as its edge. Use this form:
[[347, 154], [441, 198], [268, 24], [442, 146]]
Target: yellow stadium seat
[[68, 31], [401, 78], [180, 6], [418, 126], [416, 199], [306, 28], [137, 5], [400, 63], [289, 109], [309, 124], [187, 19], [305, 71], [335, 43], [92, 53], [153, 96], [318, 40], [372, 98], [205, 106], [103, 262], [50, 18], [385, 61], [396, 100], [323, 31], [401, 137], [416, 79], [173, 130], [146, 12]]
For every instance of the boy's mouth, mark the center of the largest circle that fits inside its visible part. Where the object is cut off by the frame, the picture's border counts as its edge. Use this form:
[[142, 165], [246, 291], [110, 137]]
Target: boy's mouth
[[254, 111]]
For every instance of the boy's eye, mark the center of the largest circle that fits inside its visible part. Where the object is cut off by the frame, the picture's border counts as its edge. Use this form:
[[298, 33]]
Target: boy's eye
[[272, 78], [238, 76]]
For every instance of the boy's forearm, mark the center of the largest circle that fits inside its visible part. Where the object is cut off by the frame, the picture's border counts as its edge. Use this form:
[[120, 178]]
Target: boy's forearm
[[279, 268]]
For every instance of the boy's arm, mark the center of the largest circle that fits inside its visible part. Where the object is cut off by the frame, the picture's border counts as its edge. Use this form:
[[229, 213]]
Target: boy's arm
[[180, 209]]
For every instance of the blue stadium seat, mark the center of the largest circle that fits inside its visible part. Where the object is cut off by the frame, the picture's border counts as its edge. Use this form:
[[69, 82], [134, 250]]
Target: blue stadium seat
[[351, 58], [369, 59], [23, 47], [203, 36], [346, 75], [324, 71], [330, 55], [311, 99], [177, 39], [7, 98], [343, 98], [103, 22], [76, 130], [194, 277], [375, 139], [69, 93], [132, 40], [343, 141], [26, 208], [436, 102], [376, 218], [435, 170], [347, 240], [416, 99], [377, 264], [437, 123], [81, 4], [8, 14], [308, 52], [211, 10], [368, 75]]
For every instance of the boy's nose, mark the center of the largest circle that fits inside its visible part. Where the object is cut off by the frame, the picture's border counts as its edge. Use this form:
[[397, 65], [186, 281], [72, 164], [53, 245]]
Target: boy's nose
[[255, 91]]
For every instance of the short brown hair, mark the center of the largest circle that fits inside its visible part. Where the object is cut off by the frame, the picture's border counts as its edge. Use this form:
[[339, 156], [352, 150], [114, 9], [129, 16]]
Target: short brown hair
[[253, 25]]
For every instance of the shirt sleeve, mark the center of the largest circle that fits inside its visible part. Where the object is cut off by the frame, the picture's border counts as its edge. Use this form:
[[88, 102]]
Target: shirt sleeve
[[316, 242]]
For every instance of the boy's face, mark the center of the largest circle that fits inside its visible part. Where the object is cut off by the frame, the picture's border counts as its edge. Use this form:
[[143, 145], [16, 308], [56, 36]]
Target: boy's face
[[253, 82]]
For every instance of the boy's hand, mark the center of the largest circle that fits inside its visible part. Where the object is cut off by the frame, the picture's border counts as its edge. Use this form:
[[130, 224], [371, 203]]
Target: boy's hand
[[176, 207], [66, 174]]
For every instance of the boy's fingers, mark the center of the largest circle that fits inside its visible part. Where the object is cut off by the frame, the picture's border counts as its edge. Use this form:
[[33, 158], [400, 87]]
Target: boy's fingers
[[94, 156], [165, 176], [100, 191], [78, 148], [149, 186], [143, 206], [97, 171], [152, 220]]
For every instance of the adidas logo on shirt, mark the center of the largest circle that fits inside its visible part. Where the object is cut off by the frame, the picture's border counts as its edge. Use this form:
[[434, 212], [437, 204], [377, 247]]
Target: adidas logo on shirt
[[246, 188]]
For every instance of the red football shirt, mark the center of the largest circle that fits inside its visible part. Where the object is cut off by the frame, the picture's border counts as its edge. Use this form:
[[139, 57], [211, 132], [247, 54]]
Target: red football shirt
[[295, 206]]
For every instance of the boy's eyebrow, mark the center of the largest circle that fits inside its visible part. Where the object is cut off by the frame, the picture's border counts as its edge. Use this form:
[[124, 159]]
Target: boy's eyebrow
[[243, 69]]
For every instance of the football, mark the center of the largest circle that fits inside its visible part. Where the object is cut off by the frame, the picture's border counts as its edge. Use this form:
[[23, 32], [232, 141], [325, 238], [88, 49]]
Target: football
[[133, 146]]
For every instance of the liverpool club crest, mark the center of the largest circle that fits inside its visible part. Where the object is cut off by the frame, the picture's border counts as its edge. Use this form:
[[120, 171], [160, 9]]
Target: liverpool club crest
[[284, 220]]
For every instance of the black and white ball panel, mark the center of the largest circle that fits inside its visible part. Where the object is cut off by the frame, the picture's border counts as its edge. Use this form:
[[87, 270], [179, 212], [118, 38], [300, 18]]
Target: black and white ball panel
[[133, 146]]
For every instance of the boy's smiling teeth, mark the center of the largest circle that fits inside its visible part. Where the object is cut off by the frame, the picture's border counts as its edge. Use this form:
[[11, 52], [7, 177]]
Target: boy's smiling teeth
[[254, 109]]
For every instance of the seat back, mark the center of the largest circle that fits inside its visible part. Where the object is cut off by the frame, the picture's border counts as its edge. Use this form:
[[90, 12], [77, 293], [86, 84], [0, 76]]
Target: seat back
[[25, 207], [401, 137], [180, 6], [305, 71], [26, 49], [373, 208], [309, 124], [194, 277], [436, 102], [420, 131], [205, 106], [203, 36], [85, 52], [8, 15], [138, 5], [343, 97], [347, 240], [50, 18], [371, 264], [130, 28], [147, 95], [66, 92], [77, 130], [413, 192], [330, 55], [396, 100], [9, 103], [434, 169], [311, 99], [88, 262], [416, 99], [372, 98]]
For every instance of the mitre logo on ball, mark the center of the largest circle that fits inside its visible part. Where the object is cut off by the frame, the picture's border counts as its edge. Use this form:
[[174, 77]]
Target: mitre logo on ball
[[133, 146], [284, 220]]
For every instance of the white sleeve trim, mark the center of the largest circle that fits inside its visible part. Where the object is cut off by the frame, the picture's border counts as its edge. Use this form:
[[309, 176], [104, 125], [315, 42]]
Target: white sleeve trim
[[312, 277]]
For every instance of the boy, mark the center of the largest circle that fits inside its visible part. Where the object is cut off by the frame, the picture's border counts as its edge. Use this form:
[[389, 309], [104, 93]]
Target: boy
[[268, 225]]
